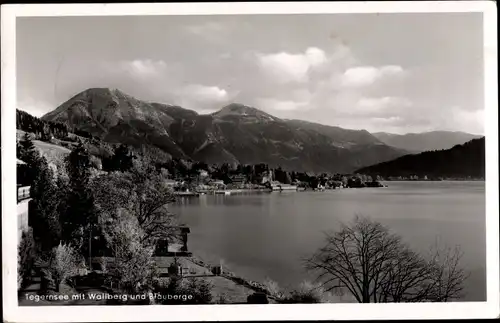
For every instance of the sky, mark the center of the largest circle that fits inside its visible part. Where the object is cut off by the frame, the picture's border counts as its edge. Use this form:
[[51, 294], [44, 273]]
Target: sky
[[392, 72]]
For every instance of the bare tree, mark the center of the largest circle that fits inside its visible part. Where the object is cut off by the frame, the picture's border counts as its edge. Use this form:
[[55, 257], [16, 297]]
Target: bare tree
[[374, 265]]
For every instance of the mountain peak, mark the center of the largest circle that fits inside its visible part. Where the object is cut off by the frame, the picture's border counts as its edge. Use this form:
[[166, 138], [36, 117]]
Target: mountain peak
[[241, 110], [237, 108], [105, 91]]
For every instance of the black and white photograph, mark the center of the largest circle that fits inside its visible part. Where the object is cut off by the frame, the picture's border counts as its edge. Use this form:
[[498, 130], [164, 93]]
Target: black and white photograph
[[225, 156]]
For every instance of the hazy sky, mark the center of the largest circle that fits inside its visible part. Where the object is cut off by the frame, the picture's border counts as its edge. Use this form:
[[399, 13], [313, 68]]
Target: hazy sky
[[389, 72]]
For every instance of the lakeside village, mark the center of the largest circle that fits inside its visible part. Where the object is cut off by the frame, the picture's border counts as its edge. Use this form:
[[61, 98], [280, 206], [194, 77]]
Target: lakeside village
[[234, 179], [187, 178], [203, 183]]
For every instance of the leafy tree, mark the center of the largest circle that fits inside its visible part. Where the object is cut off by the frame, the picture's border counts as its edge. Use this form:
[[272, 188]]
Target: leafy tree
[[133, 268], [149, 202], [26, 257], [144, 193], [373, 264], [62, 263], [120, 161], [26, 149], [44, 206], [29, 123], [123, 158], [43, 214], [80, 217], [27, 152]]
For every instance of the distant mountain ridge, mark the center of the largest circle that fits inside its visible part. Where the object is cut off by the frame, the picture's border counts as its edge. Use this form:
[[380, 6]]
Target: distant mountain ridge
[[419, 142], [461, 161], [235, 134]]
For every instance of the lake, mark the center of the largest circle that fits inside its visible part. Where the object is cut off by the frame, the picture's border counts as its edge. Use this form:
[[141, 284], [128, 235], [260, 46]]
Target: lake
[[265, 235]]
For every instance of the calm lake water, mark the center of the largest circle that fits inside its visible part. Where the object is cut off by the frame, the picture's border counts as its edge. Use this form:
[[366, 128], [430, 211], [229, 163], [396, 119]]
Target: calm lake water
[[265, 235]]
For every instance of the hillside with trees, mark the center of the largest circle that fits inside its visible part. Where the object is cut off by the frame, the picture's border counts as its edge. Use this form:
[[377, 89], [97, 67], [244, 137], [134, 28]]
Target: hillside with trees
[[465, 161]]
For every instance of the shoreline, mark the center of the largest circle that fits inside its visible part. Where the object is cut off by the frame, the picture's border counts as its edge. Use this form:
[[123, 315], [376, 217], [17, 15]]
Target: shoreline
[[256, 286]]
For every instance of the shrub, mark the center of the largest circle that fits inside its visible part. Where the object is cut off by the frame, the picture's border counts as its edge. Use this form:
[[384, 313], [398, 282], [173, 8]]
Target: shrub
[[199, 290], [273, 288], [306, 293]]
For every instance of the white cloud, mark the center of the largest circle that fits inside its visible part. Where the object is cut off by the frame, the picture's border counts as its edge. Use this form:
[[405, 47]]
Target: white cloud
[[459, 119], [143, 68], [205, 28], [213, 31], [388, 120], [315, 56], [285, 67], [203, 93], [367, 75], [382, 103], [270, 104]]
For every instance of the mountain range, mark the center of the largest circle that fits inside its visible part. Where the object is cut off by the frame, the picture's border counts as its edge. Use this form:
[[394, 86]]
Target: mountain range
[[419, 142], [237, 133], [461, 161]]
